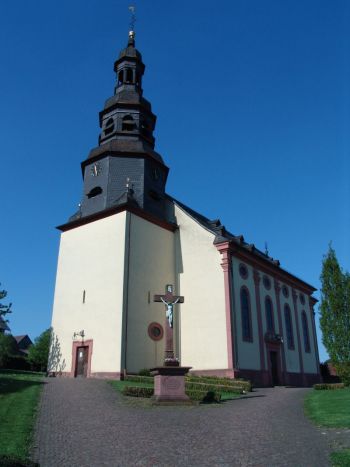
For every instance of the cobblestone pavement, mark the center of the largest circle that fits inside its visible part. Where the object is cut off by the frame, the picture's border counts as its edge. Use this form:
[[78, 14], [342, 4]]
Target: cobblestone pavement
[[85, 423]]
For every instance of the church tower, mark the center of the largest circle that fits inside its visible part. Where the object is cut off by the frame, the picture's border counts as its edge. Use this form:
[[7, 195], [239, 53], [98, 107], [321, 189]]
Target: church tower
[[117, 250], [124, 167]]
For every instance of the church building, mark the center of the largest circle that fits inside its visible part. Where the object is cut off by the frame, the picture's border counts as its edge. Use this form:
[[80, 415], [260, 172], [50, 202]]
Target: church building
[[242, 316]]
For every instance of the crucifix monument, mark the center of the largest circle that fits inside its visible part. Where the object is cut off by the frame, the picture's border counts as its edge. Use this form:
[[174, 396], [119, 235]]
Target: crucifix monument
[[169, 301], [169, 380]]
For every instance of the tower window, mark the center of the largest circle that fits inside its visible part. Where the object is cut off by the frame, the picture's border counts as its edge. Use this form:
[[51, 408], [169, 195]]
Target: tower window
[[129, 76], [120, 77], [128, 123], [94, 192], [109, 127]]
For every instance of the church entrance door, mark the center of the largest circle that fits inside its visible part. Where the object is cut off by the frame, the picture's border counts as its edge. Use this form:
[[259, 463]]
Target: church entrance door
[[82, 362], [274, 367]]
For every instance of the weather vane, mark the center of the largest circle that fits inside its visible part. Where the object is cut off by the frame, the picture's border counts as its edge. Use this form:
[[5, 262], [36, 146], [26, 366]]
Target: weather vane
[[132, 9]]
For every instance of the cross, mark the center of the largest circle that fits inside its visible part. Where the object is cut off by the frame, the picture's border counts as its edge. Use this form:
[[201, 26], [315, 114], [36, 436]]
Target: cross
[[169, 300], [132, 9]]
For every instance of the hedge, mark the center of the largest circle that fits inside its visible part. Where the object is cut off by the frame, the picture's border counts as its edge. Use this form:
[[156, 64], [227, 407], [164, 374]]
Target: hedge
[[329, 386], [137, 391], [140, 379], [205, 396], [213, 387], [239, 384], [246, 385]]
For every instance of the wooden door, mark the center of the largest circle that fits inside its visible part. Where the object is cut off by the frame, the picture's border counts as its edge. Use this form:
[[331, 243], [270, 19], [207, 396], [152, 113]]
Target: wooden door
[[274, 368], [82, 361]]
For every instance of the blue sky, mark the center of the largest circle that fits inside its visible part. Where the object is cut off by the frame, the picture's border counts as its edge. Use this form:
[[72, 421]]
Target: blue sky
[[252, 99]]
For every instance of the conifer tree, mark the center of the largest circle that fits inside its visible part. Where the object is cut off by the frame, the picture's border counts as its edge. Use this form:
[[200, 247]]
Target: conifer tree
[[335, 314], [4, 309]]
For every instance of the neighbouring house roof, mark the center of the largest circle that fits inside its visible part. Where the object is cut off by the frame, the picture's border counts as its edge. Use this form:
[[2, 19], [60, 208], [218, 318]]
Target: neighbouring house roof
[[23, 343]]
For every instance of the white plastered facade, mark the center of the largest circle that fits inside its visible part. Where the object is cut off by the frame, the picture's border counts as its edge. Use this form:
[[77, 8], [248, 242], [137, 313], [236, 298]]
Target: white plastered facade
[[118, 263]]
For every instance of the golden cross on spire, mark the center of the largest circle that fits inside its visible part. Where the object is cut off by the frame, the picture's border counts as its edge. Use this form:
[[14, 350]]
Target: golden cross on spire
[[132, 9]]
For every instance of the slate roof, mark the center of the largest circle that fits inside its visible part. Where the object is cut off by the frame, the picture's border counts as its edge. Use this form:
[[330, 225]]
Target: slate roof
[[223, 235]]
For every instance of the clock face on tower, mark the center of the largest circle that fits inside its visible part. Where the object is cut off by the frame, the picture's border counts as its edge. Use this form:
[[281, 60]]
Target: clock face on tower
[[96, 169]]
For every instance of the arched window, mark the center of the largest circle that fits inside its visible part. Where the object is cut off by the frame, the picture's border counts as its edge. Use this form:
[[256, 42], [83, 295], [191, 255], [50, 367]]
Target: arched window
[[247, 333], [109, 127], [270, 324], [94, 192], [289, 327], [128, 123], [305, 332], [129, 76]]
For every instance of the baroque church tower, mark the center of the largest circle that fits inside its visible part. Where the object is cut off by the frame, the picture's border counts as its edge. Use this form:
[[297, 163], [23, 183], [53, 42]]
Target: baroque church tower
[[125, 168], [243, 316]]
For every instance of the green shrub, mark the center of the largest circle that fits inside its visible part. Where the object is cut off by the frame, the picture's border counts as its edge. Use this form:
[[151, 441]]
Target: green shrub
[[190, 385], [343, 371], [329, 386], [204, 396], [144, 372], [241, 383], [9, 461], [139, 379], [134, 391]]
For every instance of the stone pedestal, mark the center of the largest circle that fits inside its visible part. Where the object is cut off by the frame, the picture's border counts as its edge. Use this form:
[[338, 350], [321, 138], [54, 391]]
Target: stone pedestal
[[169, 384]]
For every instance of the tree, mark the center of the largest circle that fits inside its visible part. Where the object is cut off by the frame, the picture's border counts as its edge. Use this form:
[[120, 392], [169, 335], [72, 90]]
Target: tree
[[335, 314], [4, 309], [7, 349], [38, 353]]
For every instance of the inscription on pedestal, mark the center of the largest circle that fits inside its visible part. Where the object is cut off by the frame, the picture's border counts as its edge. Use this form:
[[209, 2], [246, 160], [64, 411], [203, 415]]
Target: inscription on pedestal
[[171, 383]]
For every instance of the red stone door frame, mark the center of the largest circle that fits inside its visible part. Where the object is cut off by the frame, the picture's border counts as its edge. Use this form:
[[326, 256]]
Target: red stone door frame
[[89, 344], [270, 347]]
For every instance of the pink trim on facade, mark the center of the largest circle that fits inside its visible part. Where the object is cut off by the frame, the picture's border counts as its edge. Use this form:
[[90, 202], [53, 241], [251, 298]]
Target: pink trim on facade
[[313, 325], [257, 279], [224, 249], [280, 327], [300, 350], [151, 335], [88, 343]]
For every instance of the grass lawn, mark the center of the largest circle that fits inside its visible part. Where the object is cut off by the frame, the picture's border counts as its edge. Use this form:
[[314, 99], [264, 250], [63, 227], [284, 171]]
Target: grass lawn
[[341, 458], [331, 409], [19, 397]]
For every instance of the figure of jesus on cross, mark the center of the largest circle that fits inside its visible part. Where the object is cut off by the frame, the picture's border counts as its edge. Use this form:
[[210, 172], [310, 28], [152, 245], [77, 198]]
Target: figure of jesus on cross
[[169, 301]]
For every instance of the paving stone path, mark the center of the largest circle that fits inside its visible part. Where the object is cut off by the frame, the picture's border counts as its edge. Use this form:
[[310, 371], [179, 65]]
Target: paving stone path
[[85, 423]]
